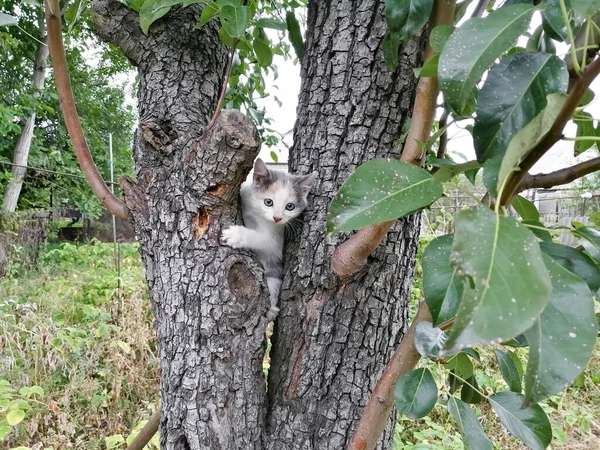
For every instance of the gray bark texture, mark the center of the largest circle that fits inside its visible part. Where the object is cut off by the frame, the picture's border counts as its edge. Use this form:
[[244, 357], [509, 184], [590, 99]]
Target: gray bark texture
[[21, 153], [333, 336]]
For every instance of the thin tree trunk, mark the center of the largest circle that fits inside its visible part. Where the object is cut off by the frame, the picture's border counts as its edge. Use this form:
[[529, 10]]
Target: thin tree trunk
[[334, 336], [21, 153]]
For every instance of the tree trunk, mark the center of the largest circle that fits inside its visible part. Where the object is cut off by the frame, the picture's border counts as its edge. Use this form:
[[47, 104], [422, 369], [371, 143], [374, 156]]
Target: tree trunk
[[333, 336], [21, 153]]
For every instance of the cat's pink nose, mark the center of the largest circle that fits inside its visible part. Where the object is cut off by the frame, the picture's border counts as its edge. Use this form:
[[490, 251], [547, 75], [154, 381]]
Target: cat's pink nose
[[277, 219]]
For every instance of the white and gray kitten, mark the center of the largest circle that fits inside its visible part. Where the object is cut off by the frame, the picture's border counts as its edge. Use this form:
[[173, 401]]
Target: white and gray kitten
[[272, 201]]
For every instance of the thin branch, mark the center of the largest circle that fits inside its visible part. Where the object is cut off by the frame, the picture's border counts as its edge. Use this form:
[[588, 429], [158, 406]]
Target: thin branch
[[351, 255], [576, 93], [562, 176], [146, 433], [67, 104], [224, 88], [374, 417], [441, 153]]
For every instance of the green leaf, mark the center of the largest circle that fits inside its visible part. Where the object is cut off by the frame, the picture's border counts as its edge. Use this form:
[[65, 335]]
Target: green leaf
[[589, 238], [429, 69], [274, 156], [209, 11], [295, 34], [415, 393], [428, 340], [390, 46], [263, 52], [4, 431], [234, 20], [538, 229], [442, 288], [473, 435], [470, 392], [405, 17], [527, 138], [15, 416], [474, 46], [585, 127], [271, 23], [225, 38], [7, 20], [506, 287], [563, 338], [471, 175], [461, 365], [148, 16], [530, 425], [575, 262], [513, 94], [585, 8], [380, 190], [554, 23], [509, 370], [449, 171], [439, 35], [595, 218], [525, 208]]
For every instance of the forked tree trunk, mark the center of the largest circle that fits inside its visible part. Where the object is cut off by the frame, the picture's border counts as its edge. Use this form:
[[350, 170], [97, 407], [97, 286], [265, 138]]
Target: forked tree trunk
[[333, 336], [21, 153]]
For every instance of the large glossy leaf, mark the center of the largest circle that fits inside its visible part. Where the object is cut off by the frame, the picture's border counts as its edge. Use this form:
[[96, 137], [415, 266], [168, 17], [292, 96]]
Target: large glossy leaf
[[589, 238], [428, 340], [294, 32], [530, 425], [527, 138], [441, 286], [405, 17], [380, 190], [525, 208], [506, 283], [562, 339], [584, 8], [554, 22], [474, 46], [514, 92], [235, 20], [415, 393], [575, 262], [439, 35], [473, 435], [509, 371]]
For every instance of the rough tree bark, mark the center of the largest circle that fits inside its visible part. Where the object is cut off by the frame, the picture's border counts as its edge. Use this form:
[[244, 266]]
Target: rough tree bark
[[21, 153], [333, 336]]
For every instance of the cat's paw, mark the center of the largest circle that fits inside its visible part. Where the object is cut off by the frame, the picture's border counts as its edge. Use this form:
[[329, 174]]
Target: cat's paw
[[272, 313], [234, 236]]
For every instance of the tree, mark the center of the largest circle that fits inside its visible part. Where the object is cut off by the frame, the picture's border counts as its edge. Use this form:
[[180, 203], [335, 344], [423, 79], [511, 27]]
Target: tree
[[343, 306]]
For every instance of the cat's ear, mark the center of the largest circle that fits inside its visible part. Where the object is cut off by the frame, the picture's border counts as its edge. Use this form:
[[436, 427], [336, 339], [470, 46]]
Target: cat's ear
[[261, 173], [305, 182]]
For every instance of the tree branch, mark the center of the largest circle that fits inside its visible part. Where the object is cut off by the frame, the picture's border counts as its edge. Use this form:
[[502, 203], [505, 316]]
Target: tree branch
[[562, 176], [576, 93], [67, 104], [374, 416], [146, 433], [350, 256]]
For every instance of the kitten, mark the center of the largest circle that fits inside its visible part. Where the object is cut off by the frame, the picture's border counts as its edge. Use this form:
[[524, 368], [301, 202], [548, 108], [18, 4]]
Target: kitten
[[272, 201]]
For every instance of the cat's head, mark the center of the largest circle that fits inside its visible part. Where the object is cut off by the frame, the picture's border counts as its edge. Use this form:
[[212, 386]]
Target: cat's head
[[279, 196]]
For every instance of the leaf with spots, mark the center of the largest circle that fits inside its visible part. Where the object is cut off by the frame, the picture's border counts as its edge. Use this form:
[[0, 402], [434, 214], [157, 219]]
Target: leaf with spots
[[381, 190], [525, 208], [506, 284], [473, 435], [442, 288], [428, 340], [514, 92], [509, 370], [575, 262], [562, 339], [554, 22], [473, 47], [415, 393], [439, 35], [530, 425], [589, 238]]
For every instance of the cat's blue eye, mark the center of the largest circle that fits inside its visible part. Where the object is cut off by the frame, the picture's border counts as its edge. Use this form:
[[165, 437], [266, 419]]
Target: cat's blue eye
[[268, 202], [290, 206]]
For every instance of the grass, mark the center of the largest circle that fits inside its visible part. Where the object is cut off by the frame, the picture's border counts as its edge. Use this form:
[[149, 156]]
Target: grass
[[90, 348]]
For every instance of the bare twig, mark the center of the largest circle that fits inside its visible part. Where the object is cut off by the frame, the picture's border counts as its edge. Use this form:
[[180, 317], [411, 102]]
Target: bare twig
[[576, 93], [146, 433], [224, 88], [562, 176], [441, 153], [67, 104], [374, 417], [351, 255]]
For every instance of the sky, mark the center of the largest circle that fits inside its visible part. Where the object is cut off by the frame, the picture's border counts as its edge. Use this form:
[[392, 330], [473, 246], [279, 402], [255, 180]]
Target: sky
[[287, 88]]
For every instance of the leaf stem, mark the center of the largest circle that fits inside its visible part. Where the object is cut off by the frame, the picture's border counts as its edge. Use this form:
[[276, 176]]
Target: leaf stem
[[581, 138], [565, 15], [219, 106], [473, 387]]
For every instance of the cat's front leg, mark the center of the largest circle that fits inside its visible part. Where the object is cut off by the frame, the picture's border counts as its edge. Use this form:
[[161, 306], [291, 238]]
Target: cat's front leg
[[236, 236]]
